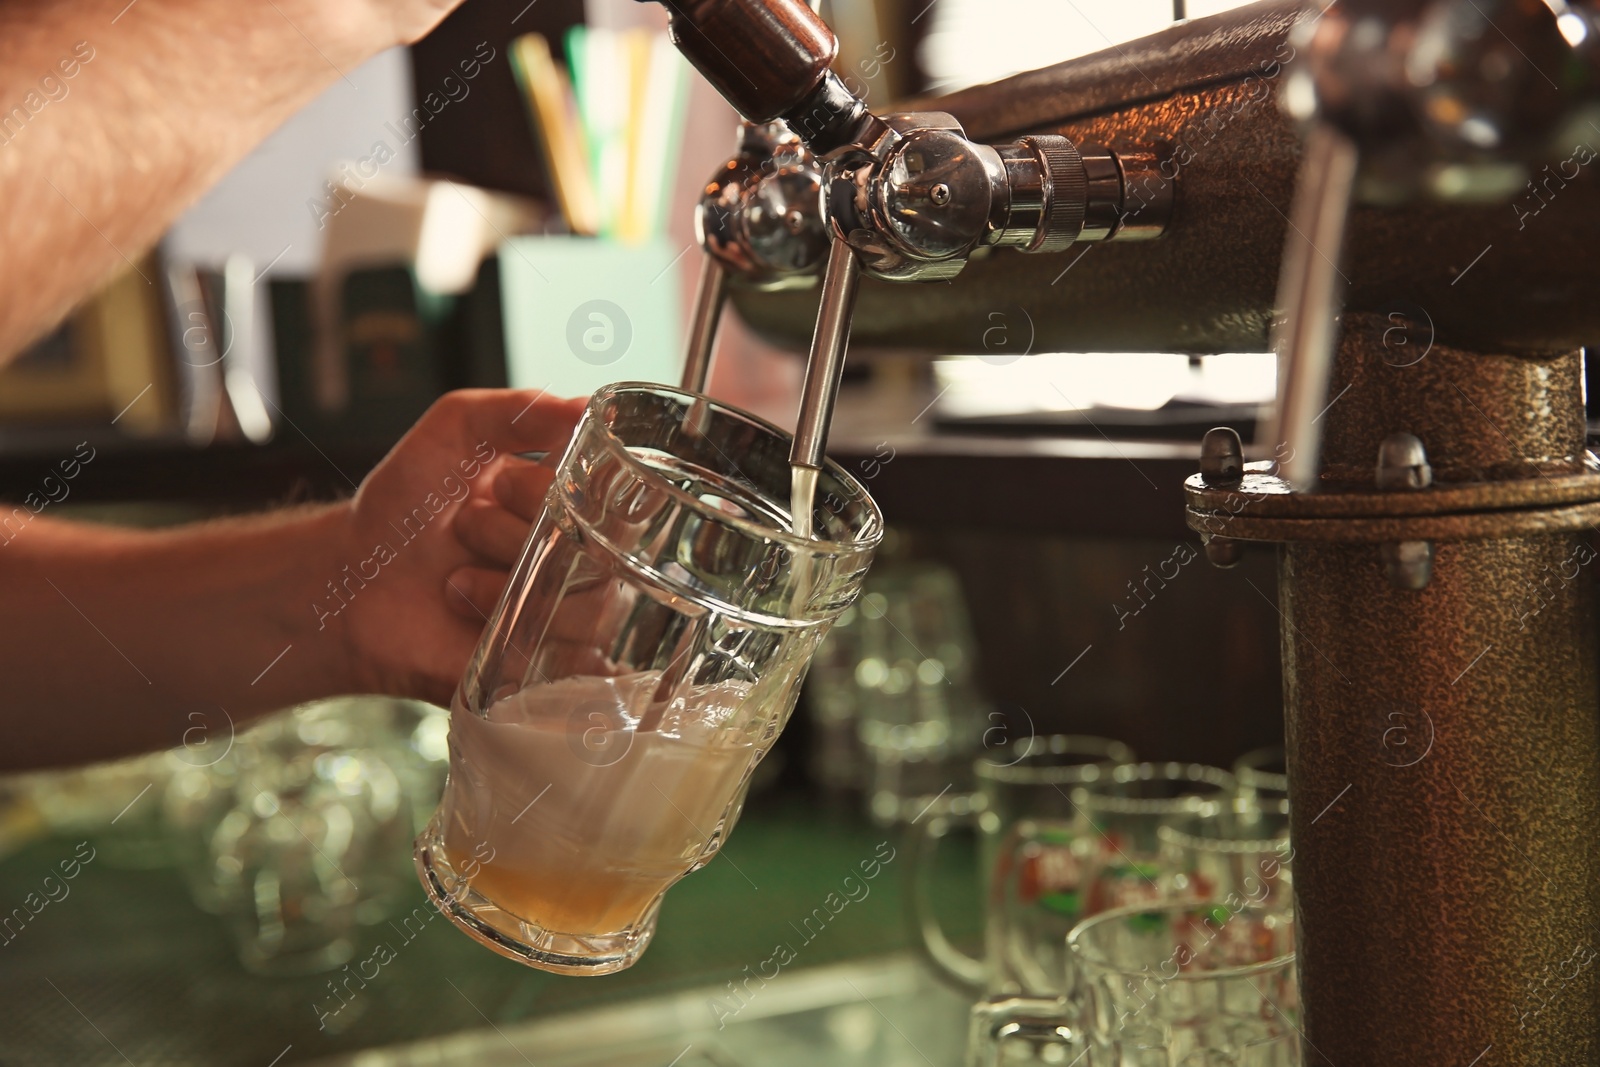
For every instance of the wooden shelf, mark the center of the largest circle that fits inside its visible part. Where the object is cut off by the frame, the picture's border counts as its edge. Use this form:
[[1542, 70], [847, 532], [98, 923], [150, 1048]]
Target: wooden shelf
[[233, 475], [921, 477]]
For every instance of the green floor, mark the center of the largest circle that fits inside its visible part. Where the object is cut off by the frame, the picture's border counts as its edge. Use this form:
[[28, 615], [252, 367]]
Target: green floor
[[125, 970]]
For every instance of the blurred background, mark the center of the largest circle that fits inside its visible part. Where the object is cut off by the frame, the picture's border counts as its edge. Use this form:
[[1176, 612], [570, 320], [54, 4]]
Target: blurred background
[[431, 223]]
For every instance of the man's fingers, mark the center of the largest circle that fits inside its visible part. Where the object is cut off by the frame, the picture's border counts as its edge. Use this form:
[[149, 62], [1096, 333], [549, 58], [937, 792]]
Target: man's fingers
[[521, 487], [490, 531], [517, 420], [473, 592]]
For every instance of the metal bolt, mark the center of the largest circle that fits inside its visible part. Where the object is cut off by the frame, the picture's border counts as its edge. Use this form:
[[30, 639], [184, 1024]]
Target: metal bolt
[[794, 220], [1224, 553], [939, 194], [1221, 457], [1408, 564], [1403, 463]]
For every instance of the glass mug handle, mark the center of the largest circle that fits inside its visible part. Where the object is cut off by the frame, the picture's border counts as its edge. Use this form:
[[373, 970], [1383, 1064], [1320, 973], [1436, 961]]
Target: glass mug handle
[[999, 1020], [949, 961]]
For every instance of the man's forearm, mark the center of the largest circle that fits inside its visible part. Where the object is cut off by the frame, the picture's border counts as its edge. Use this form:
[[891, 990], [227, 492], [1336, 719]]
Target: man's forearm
[[115, 116], [116, 641], [120, 641]]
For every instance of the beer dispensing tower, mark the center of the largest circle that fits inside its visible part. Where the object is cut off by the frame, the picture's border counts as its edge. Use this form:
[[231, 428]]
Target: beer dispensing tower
[[1428, 284]]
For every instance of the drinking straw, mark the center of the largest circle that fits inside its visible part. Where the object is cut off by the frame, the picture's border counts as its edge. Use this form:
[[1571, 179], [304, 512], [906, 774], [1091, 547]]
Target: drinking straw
[[548, 97], [633, 222], [582, 86], [663, 129], [575, 46], [604, 107], [631, 88]]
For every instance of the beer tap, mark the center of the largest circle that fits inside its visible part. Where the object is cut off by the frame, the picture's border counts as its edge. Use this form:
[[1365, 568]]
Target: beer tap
[[759, 218], [1450, 100], [905, 197]]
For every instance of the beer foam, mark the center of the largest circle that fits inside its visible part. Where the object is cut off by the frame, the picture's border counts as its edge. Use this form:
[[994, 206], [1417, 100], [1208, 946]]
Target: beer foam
[[567, 816]]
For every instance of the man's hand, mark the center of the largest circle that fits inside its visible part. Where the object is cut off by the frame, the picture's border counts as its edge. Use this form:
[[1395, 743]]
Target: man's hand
[[120, 640], [133, 110], [433, 531]]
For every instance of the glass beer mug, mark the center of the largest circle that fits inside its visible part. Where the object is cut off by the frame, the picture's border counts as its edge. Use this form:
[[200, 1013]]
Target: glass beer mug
[[1032, 853], [646, 652], [1164, 984]]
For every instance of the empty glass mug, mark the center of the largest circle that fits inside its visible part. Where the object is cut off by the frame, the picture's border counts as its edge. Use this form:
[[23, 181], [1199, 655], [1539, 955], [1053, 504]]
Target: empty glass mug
[[1124, 812], [306, 853], [1189, 984], [1030, 862], [647, 650], [1261, 774], [920, 717], [1263, 780], [1242, 855]]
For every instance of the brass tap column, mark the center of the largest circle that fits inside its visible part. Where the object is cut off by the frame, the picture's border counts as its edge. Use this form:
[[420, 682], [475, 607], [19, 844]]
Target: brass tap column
[[1442, 703]]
